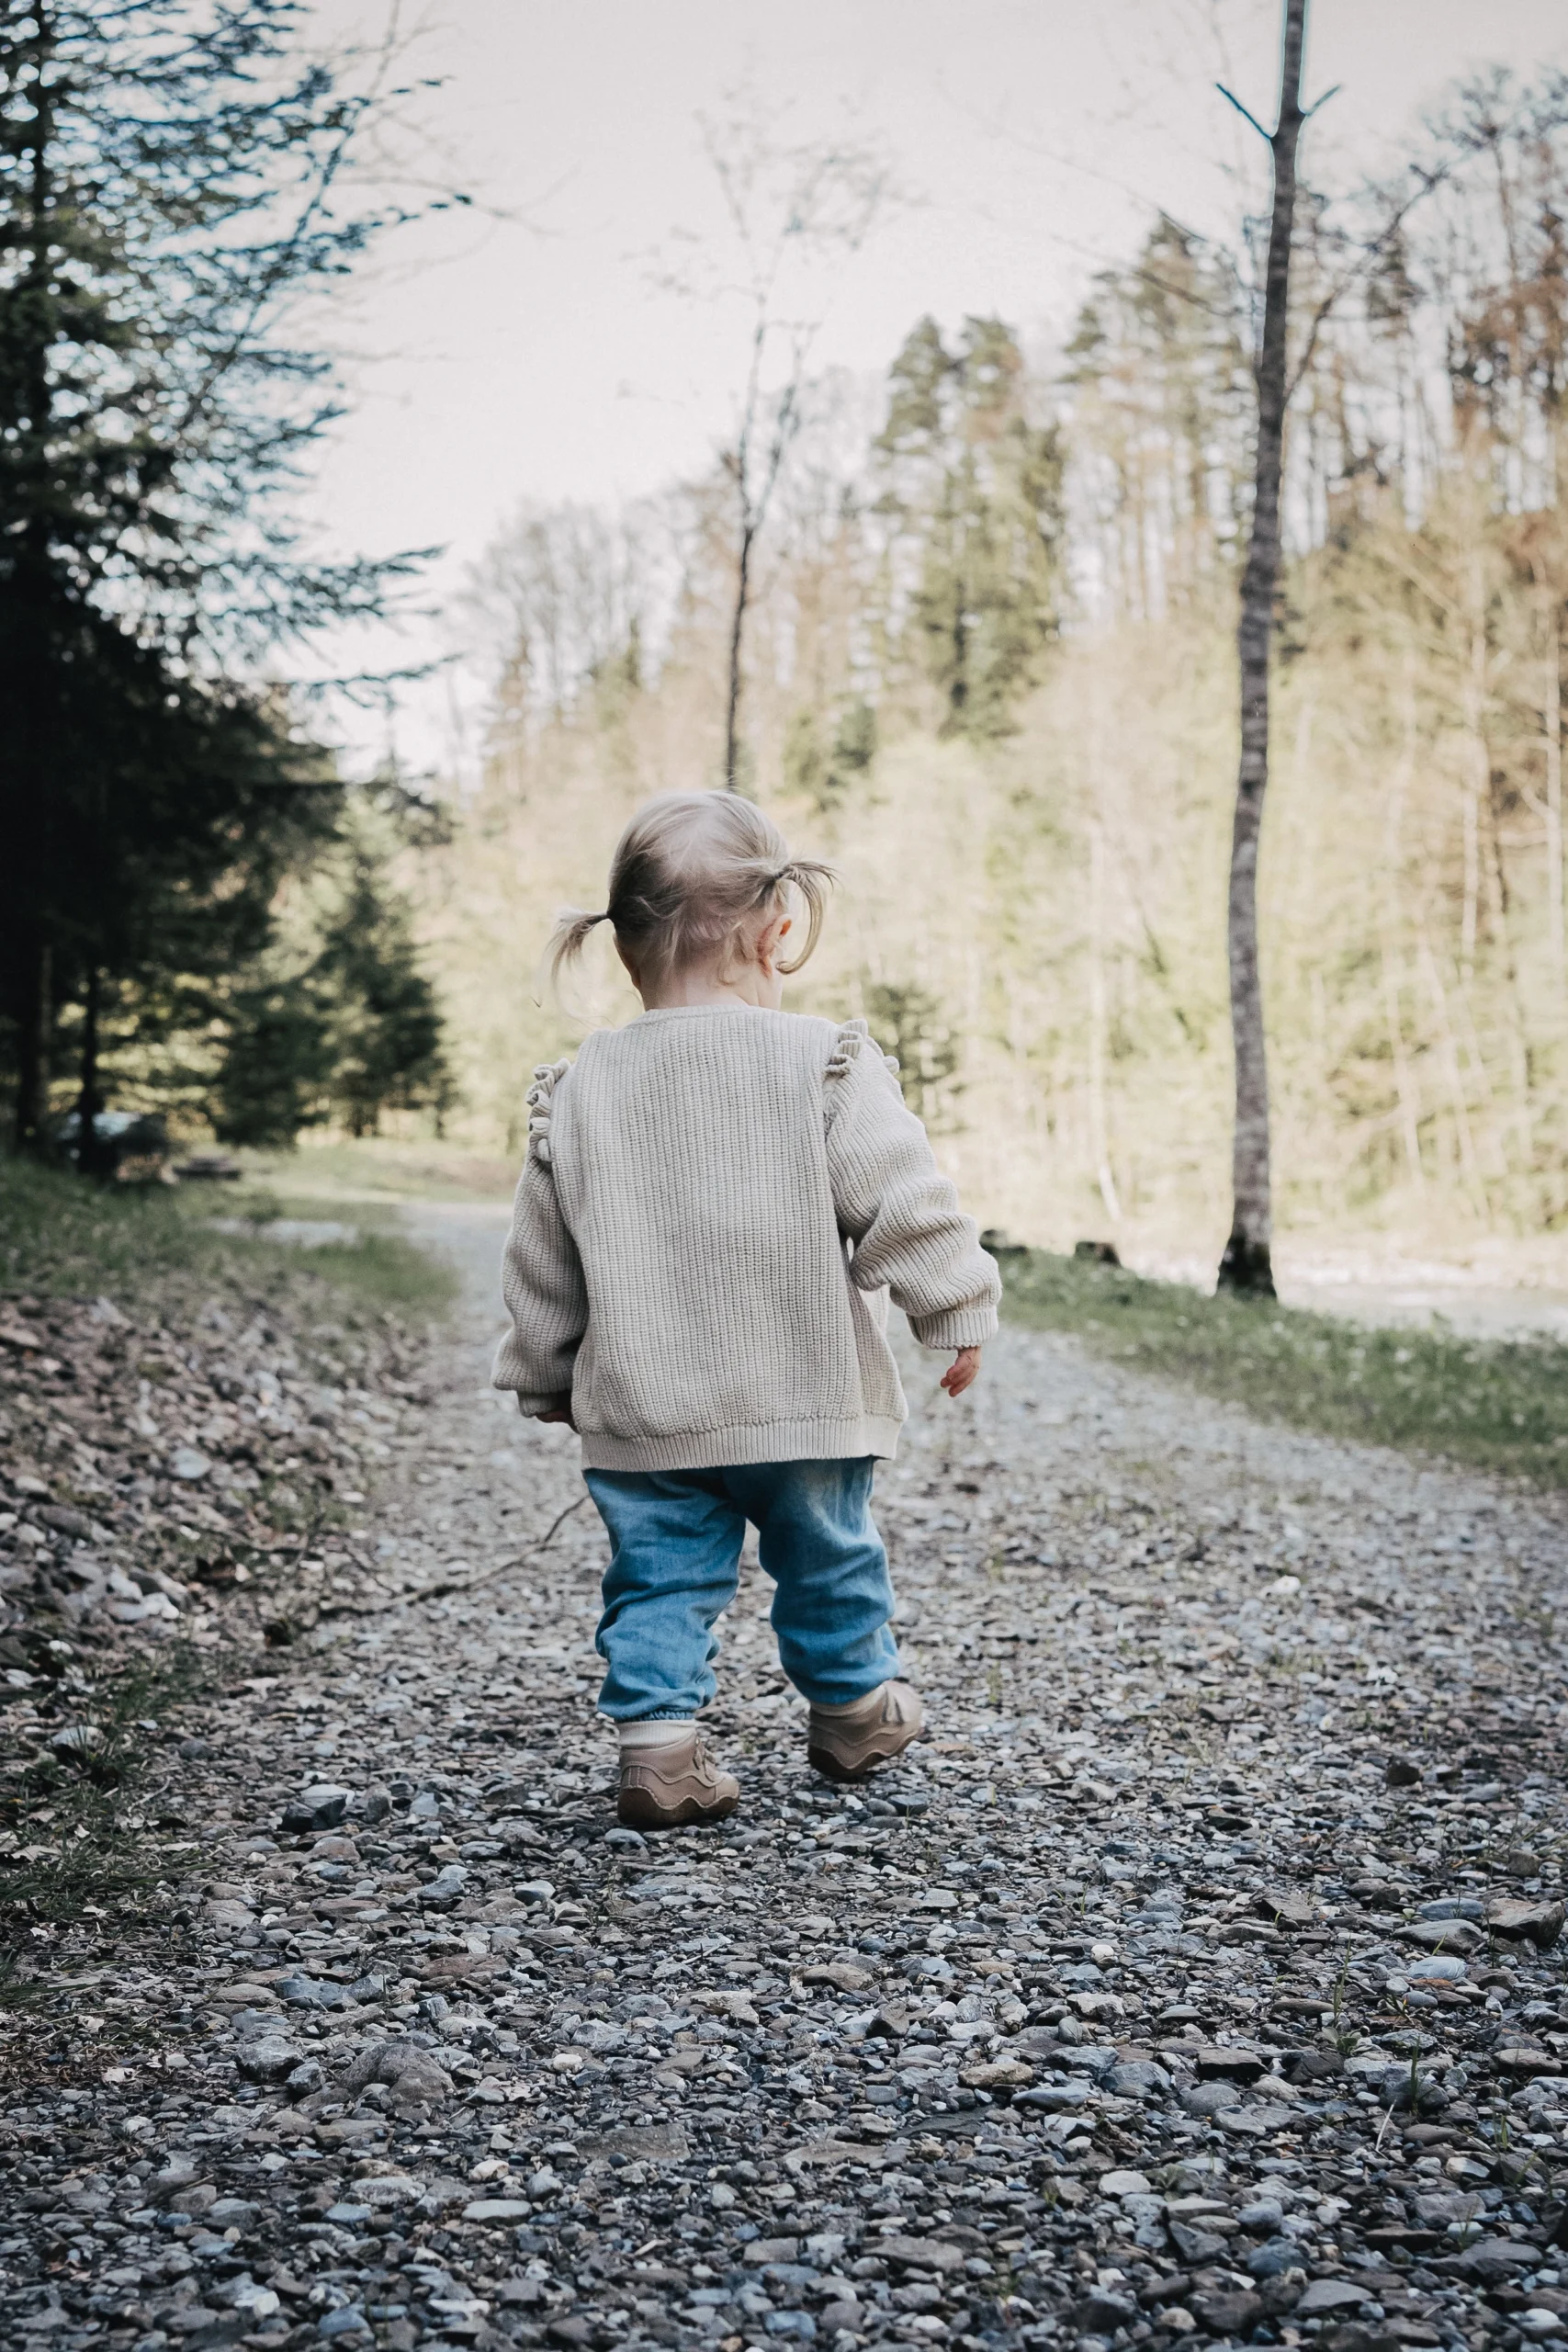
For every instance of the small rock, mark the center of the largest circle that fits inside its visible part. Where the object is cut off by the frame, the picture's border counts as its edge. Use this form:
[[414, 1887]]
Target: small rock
[[847, 1976], [1256, 2122], [920, 2254], [269, 2059], [1451, 1936], [1103, 2313], [1524, 2058], [1003, 2074], [1215, 2062], [1326, 2295], [389, 2188], [1123, 2184], [321, 1807], [312, 1993], [1519, 1922], [232, 2213], [1196, 2244], [1209, 2098], [1226, 2313], [1137, 2078], [1287, 1905]]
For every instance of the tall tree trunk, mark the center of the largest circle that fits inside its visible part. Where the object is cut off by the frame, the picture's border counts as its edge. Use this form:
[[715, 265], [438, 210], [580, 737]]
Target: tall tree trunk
[[1552, 746], [1248, 1264], [91, 1157], [737, 638], [30, 1133], [28, 712]]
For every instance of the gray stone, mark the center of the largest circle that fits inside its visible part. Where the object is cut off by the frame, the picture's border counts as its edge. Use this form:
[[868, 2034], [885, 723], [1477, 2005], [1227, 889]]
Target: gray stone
[[1324, 2295], [321, 1807], [232, 2213], [1454, 1936], [1521, 1922], [269, 2059], [1102, 2314], [1138, 2079]]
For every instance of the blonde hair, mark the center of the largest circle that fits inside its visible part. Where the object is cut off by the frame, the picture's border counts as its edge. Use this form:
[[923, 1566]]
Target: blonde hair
[[693, 874]]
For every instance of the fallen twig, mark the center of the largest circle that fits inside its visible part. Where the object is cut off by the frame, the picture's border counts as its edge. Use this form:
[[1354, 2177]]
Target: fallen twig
[[445, 1586]]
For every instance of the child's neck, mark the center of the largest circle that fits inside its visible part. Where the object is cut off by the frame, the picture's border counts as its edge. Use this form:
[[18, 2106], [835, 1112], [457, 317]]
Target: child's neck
[[753, 989]]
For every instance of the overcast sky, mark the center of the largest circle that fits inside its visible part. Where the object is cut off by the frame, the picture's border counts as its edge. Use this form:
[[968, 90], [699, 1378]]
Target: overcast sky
[[526, 352]]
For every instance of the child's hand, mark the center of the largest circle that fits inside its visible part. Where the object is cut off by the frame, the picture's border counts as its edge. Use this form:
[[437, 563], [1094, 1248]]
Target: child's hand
[[962, 1372], [560, 1414]]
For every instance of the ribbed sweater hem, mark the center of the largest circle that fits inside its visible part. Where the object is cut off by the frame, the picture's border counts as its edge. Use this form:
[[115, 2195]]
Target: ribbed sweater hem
[[958, 1327], [837, 1441]]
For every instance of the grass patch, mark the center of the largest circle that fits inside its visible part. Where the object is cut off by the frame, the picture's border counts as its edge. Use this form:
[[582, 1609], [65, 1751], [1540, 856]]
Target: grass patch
[[62, 1236], [382, 1167], [1498, 1403], [82, 1813], [383, 1270]]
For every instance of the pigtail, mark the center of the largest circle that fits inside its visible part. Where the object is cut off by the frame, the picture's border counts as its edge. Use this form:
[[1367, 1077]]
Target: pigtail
[[813, 880], [569, 939]]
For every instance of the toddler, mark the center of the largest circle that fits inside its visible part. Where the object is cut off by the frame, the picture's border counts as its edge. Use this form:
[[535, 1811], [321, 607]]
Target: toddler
[[717, 1201]]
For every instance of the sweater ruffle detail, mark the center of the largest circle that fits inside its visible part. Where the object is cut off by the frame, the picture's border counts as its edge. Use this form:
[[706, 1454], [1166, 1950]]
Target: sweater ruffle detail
[[545, 1078], [853, 1038]]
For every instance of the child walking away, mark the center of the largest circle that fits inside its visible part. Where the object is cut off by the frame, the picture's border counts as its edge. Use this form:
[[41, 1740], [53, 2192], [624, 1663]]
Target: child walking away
[[717, 1202]]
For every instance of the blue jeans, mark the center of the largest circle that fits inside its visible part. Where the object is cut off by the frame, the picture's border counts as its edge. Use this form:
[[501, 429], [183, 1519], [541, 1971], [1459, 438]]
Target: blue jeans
[[675, 1540]]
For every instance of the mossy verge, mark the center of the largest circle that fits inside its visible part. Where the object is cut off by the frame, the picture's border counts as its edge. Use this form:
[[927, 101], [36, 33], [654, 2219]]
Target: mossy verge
[[1498, 1403], [64, 1238], [86, 1813]]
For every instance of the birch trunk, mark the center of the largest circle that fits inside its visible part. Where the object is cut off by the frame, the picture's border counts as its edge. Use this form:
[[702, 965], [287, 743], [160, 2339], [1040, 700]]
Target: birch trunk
[[737, 641], [1247, 1264], [1551, 746]]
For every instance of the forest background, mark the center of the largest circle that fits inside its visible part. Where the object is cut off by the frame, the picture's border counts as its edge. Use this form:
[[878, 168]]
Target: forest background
[[987, 669], [990, 674]]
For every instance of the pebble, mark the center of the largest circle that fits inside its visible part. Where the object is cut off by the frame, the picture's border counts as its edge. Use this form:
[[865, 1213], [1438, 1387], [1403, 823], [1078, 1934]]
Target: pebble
[[1100, 2012]]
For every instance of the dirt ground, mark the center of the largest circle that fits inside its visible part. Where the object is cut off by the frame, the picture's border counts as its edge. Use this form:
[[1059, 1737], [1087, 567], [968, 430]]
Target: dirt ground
[[1200, 1975]]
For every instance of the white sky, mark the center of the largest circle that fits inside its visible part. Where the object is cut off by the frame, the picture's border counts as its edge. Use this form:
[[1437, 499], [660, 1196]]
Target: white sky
[[528, 355]]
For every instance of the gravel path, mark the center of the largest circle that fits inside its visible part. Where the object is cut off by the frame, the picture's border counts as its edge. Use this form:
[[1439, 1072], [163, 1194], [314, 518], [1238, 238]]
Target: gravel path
[[1199, 1976]]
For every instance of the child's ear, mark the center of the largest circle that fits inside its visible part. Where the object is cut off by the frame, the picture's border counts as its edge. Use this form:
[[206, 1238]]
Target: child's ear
[[769, 940]]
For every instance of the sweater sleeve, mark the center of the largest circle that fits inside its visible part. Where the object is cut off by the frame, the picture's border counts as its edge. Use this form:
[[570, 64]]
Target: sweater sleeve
[[901, 1213], [541, 1276]]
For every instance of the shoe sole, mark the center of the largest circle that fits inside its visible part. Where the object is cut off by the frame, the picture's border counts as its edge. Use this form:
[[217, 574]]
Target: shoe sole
[[636, 1810], [833, 1767]]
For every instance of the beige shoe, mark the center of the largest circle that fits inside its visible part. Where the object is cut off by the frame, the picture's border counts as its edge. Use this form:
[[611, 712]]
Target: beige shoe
[[851, 1741], [676, 1782]]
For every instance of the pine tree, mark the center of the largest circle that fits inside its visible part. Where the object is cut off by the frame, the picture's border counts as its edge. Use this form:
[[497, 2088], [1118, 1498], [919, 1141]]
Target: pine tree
[[383, 1020], [974, 493], [167, 186]]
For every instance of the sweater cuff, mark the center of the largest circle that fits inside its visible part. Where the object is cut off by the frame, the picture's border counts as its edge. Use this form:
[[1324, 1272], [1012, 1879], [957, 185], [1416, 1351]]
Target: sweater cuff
[[958, 1327], [532, 1407]]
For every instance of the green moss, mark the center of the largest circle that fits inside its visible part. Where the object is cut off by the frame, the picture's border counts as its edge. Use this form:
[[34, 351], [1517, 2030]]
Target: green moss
[[64, 1238], [86, 1852], [1501, 1404]]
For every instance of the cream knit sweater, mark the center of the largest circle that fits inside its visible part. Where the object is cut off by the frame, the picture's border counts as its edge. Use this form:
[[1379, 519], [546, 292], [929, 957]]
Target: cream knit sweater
[[715, 1209]]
